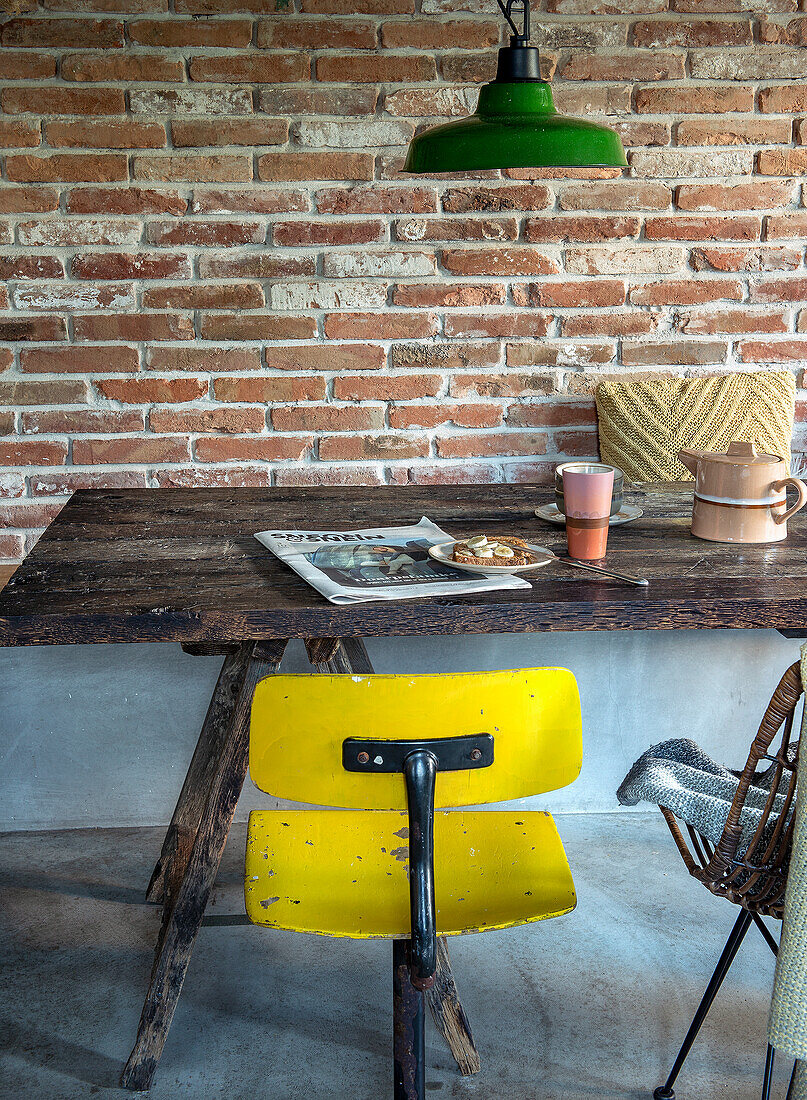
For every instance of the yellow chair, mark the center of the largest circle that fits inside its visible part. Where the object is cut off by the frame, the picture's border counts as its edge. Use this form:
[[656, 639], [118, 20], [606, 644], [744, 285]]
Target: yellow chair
[[389, 749]]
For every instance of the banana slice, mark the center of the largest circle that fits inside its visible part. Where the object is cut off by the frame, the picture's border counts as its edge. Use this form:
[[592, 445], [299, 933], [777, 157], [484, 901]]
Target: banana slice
[[477, 542], [502, 551], [485, 552]]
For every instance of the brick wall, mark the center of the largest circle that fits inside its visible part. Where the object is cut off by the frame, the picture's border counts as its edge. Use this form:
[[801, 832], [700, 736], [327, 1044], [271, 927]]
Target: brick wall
[[215, 274]]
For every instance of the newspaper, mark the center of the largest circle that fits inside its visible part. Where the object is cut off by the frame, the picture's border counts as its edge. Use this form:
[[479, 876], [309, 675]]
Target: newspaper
[[381, 563]]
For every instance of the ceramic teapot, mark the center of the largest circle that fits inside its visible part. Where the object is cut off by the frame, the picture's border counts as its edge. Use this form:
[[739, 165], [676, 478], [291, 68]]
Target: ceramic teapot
[[740, 495]]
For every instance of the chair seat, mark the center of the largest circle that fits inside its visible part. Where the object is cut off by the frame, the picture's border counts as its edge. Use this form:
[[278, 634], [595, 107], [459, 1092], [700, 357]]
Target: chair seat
[[344, 872]]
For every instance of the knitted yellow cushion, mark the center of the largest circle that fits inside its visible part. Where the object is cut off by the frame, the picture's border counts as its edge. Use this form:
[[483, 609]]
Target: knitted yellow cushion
[[643, 424]]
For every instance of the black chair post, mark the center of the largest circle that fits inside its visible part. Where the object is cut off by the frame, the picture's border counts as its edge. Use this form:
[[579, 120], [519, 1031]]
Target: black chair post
[[409, 1027]]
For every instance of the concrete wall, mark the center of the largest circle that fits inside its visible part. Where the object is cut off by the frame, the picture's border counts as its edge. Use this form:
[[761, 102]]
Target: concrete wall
[[102, 735]]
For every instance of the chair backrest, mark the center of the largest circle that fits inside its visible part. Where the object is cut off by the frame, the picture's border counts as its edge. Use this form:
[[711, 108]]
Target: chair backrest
[[643, 423], [299, 723], [757, 878]]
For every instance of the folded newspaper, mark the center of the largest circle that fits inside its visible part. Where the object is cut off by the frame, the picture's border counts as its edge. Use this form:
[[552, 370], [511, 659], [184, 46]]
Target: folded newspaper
[[381, 563]]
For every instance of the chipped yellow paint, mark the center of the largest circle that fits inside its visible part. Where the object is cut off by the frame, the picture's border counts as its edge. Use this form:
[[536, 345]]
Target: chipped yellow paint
[[344, 872], [300, 721]]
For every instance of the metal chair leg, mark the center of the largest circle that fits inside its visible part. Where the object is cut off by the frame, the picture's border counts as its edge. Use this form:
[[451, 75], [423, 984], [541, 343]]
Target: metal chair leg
[[736, 937], [409, 1028], [767, 1080], [792, 1084]]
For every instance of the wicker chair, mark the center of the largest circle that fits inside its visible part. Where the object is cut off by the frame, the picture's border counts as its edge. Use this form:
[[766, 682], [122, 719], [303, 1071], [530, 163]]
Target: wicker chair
[[756, 882]]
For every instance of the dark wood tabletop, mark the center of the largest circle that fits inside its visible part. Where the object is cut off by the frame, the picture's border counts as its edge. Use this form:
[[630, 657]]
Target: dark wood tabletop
[[182, 565]]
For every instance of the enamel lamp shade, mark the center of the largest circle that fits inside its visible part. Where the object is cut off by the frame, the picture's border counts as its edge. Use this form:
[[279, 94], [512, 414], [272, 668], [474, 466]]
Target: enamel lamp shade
[[516, 124]]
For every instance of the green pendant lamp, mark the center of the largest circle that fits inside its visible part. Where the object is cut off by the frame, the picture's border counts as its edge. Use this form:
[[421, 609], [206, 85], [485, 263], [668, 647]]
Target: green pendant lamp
[[516, 124]]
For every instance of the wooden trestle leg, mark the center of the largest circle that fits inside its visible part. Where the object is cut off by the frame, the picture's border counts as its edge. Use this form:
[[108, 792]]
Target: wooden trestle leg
[[350, 655], [187, 875]]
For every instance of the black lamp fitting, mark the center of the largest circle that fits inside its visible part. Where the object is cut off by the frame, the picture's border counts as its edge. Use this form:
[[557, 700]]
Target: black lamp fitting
[[519, 62]]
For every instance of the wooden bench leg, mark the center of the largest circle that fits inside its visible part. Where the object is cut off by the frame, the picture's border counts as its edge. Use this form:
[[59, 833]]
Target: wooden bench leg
[[350, 655], [186, 902]]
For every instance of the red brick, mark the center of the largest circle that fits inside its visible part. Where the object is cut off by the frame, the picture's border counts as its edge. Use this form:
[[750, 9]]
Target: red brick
[[200, 296], [290, 33], [256, 326], [729, 131], [195, 477], [92, 452], [629, 323], [353, 447], [12, 548], [576, 444], [30, 515], [231, 131], [33, 328], [511, 384], [203, 359], [456, 229], [295, 234], [193, 169], [30, 267], [788, 162], [80, 360], [783, 99], [510, 443], [760, 195], [448, 473], [64, 101], [579, 294], [233, 420], [582, 228], [260, 201], [380, 326], [496, 325], [498, 261], [434, 34], [106, 135], [326, 357], [123, 67], [96, 34], [376, 200], [376, 69], [268, 390], [773, 351], [232, 33], [12, 485], [676, 228], [695, 32], [205, 233], [268, 448], [21, 65], [314, 100], [676, 353], [251, 68], [746, 259], [793, 33], [41, 453], [401, 387], [55, 233], [328, 418], [69, 480], [68, 168], [318, 474], [444, 356], [555, 414], [290, 167], [133, 200], [83, 422], [358, 7], [148, 391], [495, 199], [546, 354], [42, 393], [697, 100], [19, 134], [731, 321], [130, 265], [480, 68], [431, 416], [257, 264], [631, 65], [28, 200], [133, 326], [786, 226], [685, 292]]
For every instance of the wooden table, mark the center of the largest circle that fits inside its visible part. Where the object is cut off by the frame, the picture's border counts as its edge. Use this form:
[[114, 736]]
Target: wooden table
[[182, 566]]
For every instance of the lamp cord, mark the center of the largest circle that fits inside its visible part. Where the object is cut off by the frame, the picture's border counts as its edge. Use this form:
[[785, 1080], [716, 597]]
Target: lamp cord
[[522, 7]]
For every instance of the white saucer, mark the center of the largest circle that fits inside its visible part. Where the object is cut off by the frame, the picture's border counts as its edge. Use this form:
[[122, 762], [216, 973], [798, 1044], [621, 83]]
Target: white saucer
[[550, 513], [442, 553]]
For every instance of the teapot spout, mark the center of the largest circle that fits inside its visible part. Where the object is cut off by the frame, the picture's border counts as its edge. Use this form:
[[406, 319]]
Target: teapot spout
[[689, 458]]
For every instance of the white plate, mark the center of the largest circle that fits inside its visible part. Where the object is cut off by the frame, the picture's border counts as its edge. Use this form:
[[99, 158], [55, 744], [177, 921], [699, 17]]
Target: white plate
[[551, 514], [443, 550]]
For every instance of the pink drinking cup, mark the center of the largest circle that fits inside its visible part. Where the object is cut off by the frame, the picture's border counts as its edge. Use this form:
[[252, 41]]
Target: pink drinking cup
[[587, 491]]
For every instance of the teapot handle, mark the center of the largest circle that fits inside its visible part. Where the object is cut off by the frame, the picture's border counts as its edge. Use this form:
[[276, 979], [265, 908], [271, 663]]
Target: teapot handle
[[800, 488]]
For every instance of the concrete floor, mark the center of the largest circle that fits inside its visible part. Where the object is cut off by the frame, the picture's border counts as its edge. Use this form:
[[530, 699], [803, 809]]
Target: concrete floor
[[590, 1005]]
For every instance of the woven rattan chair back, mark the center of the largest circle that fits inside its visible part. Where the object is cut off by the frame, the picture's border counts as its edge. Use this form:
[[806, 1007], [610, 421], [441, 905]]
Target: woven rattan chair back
[[755, 880]]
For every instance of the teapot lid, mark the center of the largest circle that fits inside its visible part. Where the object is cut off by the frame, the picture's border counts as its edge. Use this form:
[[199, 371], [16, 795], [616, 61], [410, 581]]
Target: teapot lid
[[741, 453]]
